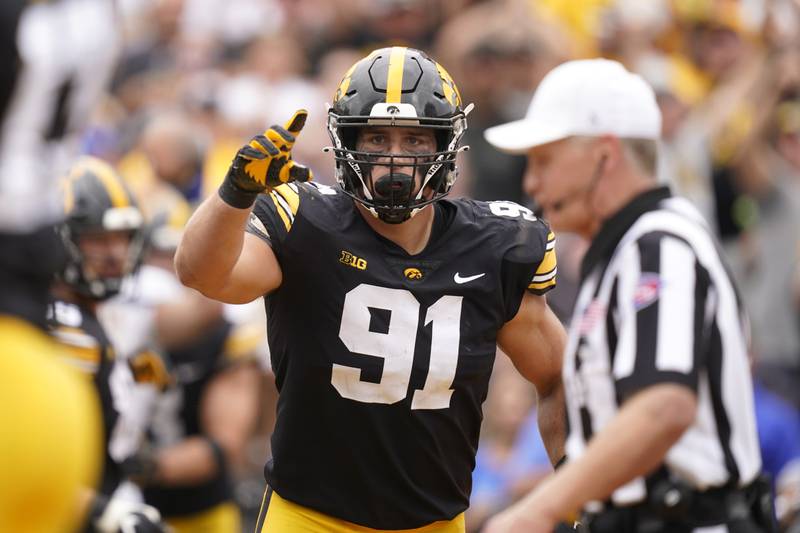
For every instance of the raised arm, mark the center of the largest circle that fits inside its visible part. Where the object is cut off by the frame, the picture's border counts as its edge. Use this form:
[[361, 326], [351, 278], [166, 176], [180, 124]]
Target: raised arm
[[215, 255], [534, 341], [220, 260]]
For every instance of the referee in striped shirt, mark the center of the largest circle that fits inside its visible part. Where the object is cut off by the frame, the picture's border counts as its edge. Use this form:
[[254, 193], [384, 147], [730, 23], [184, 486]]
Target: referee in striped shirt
[[662, 432]]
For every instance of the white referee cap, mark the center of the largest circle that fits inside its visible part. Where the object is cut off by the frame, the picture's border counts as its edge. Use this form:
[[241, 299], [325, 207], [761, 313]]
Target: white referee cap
[[590, 97]]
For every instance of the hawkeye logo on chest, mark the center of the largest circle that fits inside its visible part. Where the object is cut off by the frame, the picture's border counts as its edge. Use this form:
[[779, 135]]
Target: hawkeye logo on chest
[[413, 274], [353, 260]]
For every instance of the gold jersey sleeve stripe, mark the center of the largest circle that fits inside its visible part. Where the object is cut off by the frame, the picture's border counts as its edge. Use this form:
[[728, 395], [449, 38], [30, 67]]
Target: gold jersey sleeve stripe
[[81, 354], [394, 79], [551, 240], [541, 286], [291, 197], [545, 276], [548, 263], [281, 211], [74, 337]]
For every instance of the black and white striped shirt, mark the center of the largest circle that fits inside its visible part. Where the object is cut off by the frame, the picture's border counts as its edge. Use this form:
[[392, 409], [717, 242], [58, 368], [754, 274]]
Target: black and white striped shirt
[[656, 305]]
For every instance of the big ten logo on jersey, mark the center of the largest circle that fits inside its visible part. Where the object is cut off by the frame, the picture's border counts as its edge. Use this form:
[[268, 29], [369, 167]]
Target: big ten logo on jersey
[[512, 210], [353, 260]]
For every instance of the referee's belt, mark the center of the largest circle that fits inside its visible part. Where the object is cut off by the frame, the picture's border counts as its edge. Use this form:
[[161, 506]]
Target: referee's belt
[[670, 502]]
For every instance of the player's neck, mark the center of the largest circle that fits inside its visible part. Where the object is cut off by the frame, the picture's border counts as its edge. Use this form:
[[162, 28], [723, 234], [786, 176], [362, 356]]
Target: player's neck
[[412, 235]]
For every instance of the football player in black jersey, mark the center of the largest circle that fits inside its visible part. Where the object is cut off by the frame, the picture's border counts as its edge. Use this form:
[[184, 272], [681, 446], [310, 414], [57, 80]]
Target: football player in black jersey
[[203, 420], [103, 240], [385, 303], [49, 415]]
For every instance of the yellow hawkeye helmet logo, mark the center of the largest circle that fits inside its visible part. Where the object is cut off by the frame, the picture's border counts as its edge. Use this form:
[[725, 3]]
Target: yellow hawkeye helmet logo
[[412, 273]]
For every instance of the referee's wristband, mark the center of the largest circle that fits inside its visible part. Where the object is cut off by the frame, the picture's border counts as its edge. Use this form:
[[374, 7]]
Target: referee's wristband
[[236, 196]]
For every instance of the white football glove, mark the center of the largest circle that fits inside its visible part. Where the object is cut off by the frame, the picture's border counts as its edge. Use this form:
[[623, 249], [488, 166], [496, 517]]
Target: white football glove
[[122, 516]]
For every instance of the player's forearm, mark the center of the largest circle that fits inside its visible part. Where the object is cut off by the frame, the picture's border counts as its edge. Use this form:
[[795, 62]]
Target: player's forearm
[[552, 422], [211, 245], [188, 462], [633, 444], [183, 321]]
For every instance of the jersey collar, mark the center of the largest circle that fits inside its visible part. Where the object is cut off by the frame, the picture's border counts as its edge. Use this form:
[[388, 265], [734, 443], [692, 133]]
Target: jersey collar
[[613, 229]]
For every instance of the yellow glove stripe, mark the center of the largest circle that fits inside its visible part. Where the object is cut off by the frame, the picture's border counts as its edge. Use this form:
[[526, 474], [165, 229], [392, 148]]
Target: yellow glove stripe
[[283, 174], [257, 170], [394, 80], [279, 142], [295, 124]]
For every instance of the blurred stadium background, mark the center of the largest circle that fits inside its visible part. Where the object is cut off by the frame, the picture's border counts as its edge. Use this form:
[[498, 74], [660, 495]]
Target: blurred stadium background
[[196, 78]]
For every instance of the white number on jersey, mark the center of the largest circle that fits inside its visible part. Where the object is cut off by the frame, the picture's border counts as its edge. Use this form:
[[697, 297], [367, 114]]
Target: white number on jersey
[[511, 210], [396, 347]]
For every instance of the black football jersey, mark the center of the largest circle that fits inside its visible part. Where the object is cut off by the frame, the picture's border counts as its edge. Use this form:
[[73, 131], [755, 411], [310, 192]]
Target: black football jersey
[[87, 348], [382, 359], [178, 416]]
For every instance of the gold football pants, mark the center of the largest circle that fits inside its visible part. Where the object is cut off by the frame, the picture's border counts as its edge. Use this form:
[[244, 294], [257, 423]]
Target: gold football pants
[[282, 516]]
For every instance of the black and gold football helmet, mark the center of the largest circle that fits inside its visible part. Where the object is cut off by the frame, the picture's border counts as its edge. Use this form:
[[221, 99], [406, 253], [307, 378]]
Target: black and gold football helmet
[[97, 202], [396, 87]]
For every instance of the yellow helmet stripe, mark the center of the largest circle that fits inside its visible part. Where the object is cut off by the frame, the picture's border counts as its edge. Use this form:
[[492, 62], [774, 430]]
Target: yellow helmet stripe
[[394, 80], [111, 183], [68, 194]]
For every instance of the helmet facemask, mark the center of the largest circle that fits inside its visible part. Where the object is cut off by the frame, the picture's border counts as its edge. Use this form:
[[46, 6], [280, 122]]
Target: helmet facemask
[[395, 187], [126, 221]]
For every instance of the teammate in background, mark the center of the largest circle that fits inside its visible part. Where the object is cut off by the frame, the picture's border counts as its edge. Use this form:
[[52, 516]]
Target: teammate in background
[[656, 374], [385, 303], [203, 420], [51, 73], [103, 242]]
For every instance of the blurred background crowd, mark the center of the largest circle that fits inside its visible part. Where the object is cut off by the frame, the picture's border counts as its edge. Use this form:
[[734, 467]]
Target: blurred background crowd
[[196, 78]]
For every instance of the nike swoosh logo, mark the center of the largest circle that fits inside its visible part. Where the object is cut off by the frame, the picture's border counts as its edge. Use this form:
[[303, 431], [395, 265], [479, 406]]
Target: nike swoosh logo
[[458, 279]]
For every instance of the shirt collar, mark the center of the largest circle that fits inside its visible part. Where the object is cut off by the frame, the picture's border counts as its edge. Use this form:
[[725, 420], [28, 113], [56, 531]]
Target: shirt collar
[[612, 230]]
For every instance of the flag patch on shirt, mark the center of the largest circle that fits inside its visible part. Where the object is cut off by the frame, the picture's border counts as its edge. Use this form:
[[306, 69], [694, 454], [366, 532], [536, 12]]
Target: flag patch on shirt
[[647, 290], [594, 314]]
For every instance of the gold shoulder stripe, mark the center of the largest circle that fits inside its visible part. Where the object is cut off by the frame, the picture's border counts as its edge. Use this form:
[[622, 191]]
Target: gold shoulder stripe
[[394, 79], [546, 276], [82, 354], [74, 337], [542, 286], [548, 262], [281, 211], [290, 195]]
